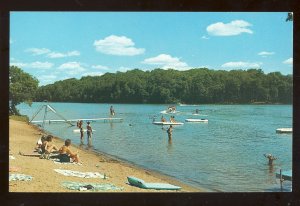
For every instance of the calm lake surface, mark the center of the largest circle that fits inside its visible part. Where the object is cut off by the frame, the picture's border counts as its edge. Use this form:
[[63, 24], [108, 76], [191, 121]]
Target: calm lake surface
[[225, 154]]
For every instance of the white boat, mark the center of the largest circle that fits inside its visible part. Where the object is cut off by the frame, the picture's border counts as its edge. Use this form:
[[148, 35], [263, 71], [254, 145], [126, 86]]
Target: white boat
[[196, 120], [168, 123], [78, 130], [284, 130], [169, 112]]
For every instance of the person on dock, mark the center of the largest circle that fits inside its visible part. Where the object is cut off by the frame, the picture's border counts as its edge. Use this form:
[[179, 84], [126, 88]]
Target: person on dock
[[163, 119], [112, 111], [172, 119], [170, 131], [65, 153], [89, 132], [271, 158]]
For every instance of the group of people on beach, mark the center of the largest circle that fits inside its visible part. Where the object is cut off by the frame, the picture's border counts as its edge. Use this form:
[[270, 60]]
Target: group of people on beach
[[89, 132], [46, 148]]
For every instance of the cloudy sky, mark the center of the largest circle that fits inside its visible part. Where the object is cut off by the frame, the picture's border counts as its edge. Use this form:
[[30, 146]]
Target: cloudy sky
[[54, 46]]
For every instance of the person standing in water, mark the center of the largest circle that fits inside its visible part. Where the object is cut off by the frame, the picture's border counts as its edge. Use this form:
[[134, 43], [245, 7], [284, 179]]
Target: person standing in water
[[271, 158], [80, 126], [169, 131], [89, 132], [112, 111]]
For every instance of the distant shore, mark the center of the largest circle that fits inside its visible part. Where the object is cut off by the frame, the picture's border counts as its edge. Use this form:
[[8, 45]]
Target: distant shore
[[23, 138]]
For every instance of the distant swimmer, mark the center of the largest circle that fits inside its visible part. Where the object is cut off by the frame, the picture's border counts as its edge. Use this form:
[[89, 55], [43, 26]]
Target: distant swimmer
[[112, 111], [89, 132], [197, 111], [271, 158]]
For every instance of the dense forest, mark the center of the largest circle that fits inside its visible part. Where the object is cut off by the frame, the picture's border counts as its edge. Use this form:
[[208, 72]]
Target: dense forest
[[193, 86]]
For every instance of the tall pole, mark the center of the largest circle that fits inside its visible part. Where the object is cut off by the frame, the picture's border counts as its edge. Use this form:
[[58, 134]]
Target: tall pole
[[44, 116]]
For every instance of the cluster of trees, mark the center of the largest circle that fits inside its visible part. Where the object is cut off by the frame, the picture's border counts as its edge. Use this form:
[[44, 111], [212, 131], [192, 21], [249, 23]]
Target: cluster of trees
[[22, 88], [171, 86]]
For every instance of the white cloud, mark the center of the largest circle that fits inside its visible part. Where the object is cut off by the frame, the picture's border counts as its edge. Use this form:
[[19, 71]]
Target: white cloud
[[204, 37], [265, 53], [35, 65], [117, 45], [242, 65], [40, 65], [166, 61], [17, 64], [92, 74], [71, 68], [100, 67], [230, 29], [61, 55], [288, 61], [37, 51]]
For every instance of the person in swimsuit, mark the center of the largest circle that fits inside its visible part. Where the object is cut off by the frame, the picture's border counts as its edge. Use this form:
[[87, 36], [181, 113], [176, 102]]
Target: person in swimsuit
[[163, 119], [89, 132], [81, 131], [169, 131], [48, 146], [271, 158], [66, 155], [112, 111]]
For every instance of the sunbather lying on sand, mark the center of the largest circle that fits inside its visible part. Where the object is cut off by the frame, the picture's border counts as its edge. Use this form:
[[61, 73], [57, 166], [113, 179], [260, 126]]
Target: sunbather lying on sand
[[65, 154]]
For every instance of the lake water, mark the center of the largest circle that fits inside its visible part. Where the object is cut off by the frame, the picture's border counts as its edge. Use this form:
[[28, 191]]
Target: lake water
[[225, 154]]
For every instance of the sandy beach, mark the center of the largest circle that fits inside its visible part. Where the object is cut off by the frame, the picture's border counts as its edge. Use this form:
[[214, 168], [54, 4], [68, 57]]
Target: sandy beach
[[23, 137]]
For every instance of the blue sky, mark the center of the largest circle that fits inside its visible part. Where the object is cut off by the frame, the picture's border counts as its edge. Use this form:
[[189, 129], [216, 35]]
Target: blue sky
[[54, 46]]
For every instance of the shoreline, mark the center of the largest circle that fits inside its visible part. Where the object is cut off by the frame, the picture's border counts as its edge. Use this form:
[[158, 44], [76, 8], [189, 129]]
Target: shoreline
[[23, 136]]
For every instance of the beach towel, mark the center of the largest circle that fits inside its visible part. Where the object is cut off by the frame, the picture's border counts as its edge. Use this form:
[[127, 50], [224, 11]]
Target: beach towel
[[90, 186], [157, 186], [21, 177], [80, 174]]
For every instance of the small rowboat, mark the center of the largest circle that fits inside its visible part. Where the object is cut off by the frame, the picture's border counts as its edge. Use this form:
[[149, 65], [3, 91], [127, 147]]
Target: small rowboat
[[196, 120], [168, 123]]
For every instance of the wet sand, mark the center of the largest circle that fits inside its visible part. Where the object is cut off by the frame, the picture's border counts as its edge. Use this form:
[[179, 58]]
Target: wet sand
[[23, 137]]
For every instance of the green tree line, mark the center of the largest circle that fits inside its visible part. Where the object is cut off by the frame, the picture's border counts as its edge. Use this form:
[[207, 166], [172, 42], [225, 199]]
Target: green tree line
[[194, 86]]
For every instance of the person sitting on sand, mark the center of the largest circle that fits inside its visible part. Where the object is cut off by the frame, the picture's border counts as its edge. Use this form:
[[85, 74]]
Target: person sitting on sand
[[39, 143], [48, 146], [271, 158], [66, 155]]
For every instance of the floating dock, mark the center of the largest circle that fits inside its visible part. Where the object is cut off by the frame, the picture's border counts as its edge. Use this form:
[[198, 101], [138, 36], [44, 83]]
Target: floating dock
[[196, 120], [284, 130], [75, 120], [167, 123], [286, 175]]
